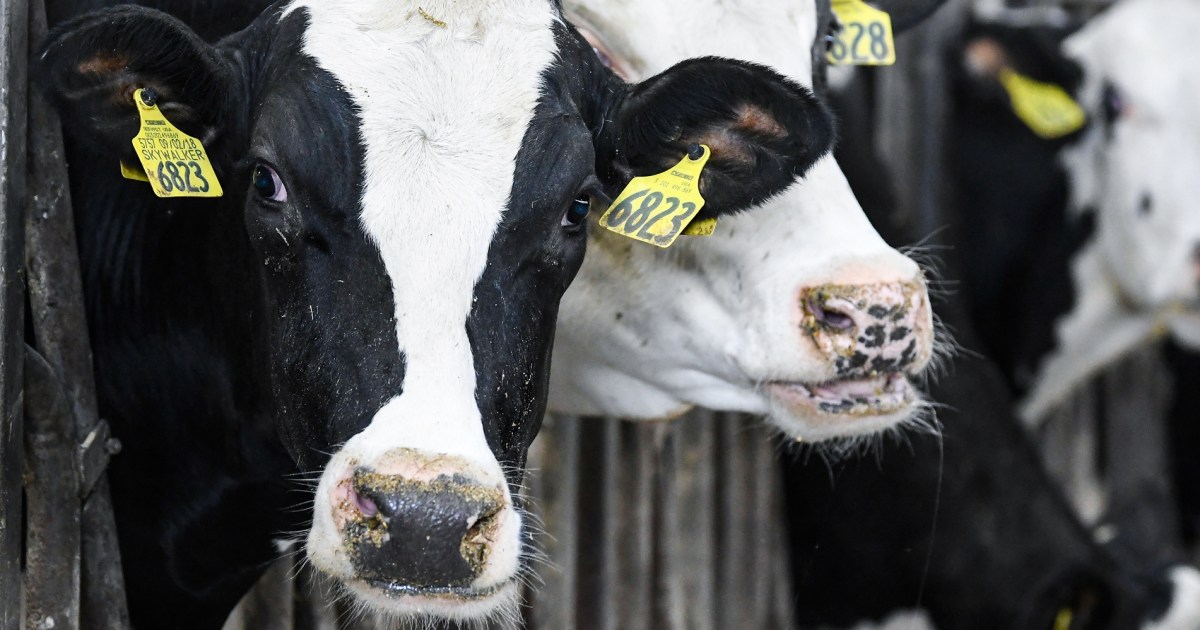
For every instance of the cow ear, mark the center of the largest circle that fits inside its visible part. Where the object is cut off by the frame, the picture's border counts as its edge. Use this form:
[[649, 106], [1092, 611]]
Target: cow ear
[[764, 130], [91, 66]]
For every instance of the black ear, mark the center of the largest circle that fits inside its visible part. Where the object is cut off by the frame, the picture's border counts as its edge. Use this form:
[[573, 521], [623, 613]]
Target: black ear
[[764, 130], [907, 13], [91, 66]]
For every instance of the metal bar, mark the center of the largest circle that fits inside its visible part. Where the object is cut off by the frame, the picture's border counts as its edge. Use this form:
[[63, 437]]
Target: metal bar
[[60, 328], [14, 46], [51, 501]]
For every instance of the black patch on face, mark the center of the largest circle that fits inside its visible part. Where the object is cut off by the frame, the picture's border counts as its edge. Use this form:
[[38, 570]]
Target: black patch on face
[[327, 304]]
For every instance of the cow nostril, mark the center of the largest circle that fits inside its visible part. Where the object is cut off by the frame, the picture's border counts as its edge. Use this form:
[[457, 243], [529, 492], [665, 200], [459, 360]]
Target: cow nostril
[[830, 318], [365, 505]]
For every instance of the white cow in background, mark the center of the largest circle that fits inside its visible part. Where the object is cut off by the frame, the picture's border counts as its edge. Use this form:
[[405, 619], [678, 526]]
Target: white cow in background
[[798, 310], [1137, 167]]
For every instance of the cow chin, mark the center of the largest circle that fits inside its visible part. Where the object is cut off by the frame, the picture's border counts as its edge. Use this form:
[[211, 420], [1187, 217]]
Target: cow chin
[[844, 408]]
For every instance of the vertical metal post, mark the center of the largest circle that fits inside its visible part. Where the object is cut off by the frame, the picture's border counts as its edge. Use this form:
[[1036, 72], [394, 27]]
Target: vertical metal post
[[60, 329], [14, 22]]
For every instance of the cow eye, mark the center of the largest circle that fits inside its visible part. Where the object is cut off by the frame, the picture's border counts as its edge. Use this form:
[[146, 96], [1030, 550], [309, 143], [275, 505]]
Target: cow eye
[[1114, 104], [267, 183], [576, 213]]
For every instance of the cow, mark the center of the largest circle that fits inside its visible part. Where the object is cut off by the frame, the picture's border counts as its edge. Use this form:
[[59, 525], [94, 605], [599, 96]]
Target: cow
[[1119, 230], [1068, 279], [858, 546], [966, 530], [798, 310], [349, 349]]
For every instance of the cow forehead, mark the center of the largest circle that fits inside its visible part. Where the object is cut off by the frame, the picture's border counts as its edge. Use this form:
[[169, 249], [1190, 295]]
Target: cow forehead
[[1145, 48], [773, 32], [444, 93]]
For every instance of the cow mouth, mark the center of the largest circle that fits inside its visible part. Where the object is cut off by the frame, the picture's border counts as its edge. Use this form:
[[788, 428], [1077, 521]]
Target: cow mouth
[[442, 593], [865, 396]]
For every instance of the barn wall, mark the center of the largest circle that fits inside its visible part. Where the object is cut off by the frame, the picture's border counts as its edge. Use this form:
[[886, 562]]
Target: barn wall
[[665, 525]]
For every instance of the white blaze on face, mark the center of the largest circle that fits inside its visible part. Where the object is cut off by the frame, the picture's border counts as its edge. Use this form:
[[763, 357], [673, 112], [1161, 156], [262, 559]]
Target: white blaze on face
[[444, 109], [1142, 180], [647, 333]]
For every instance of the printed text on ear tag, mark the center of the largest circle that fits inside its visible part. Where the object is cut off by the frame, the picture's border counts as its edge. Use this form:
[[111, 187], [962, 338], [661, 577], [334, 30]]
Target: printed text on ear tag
[[175, 162], [655, 209], [1045, 108], [865, 38], [701, 227]]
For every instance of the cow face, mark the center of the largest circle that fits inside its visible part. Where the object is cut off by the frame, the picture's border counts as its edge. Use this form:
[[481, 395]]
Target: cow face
[[1135, 165], [798, 309], [407, 189]]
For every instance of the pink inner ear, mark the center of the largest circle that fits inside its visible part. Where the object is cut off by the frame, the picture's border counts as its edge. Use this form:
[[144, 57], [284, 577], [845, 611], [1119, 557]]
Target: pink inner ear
[[755, 120], [103, 64]]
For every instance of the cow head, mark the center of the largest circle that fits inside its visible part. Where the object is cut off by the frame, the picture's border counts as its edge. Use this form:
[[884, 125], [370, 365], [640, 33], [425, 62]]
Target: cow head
[[406, 188], [798, 309], [1135, 166]]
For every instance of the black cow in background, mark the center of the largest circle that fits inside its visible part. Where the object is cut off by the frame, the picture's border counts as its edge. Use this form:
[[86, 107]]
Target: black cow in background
[[968, 529]]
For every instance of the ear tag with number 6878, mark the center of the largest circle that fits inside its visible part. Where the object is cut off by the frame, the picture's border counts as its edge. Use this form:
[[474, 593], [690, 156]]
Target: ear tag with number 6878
[[175, 163], [865, 38], [656, 209]]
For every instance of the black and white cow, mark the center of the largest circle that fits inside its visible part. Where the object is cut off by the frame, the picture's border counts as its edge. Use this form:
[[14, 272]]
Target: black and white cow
[[1071, 269], [1116, 260], [406, 189], [797, 310], [966, 530]]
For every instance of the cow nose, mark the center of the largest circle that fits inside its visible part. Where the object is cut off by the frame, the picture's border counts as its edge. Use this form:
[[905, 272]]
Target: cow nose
[[405, 532], [869, 328]]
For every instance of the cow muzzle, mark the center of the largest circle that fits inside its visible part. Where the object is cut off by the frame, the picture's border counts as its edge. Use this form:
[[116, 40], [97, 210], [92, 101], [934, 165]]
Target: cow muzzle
[[419, 533], [871, 339]]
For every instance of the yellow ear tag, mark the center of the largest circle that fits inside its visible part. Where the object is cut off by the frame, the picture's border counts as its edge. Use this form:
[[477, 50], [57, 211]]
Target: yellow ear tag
[[176, 163], [1044, 107], [1062, 621], [655, 209], [865, 38], [701, 227], [134, 173]]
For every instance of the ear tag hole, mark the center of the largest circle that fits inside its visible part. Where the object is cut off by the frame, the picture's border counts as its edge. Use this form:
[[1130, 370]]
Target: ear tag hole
[[865, 38], [1045, 108], [175, 164], [656, 209]]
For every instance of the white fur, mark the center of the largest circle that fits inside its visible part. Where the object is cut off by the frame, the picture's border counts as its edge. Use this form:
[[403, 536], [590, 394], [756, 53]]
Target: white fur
[[1184, 613], [647, 333], [444, 110], [1138, 278], [916, 619]]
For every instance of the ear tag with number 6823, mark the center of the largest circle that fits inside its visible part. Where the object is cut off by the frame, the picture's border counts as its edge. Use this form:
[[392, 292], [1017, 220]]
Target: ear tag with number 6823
[[865, 38], [656, 209], [175, 163]]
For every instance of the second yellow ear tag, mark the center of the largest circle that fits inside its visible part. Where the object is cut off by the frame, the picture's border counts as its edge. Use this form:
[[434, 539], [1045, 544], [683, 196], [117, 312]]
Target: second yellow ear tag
[[656, 209], [175, 163], [1045, 108], [865, 38]]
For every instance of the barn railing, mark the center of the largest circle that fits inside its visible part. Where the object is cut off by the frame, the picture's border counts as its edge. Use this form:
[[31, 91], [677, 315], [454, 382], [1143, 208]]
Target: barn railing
[[654, 526], [59, 564]]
